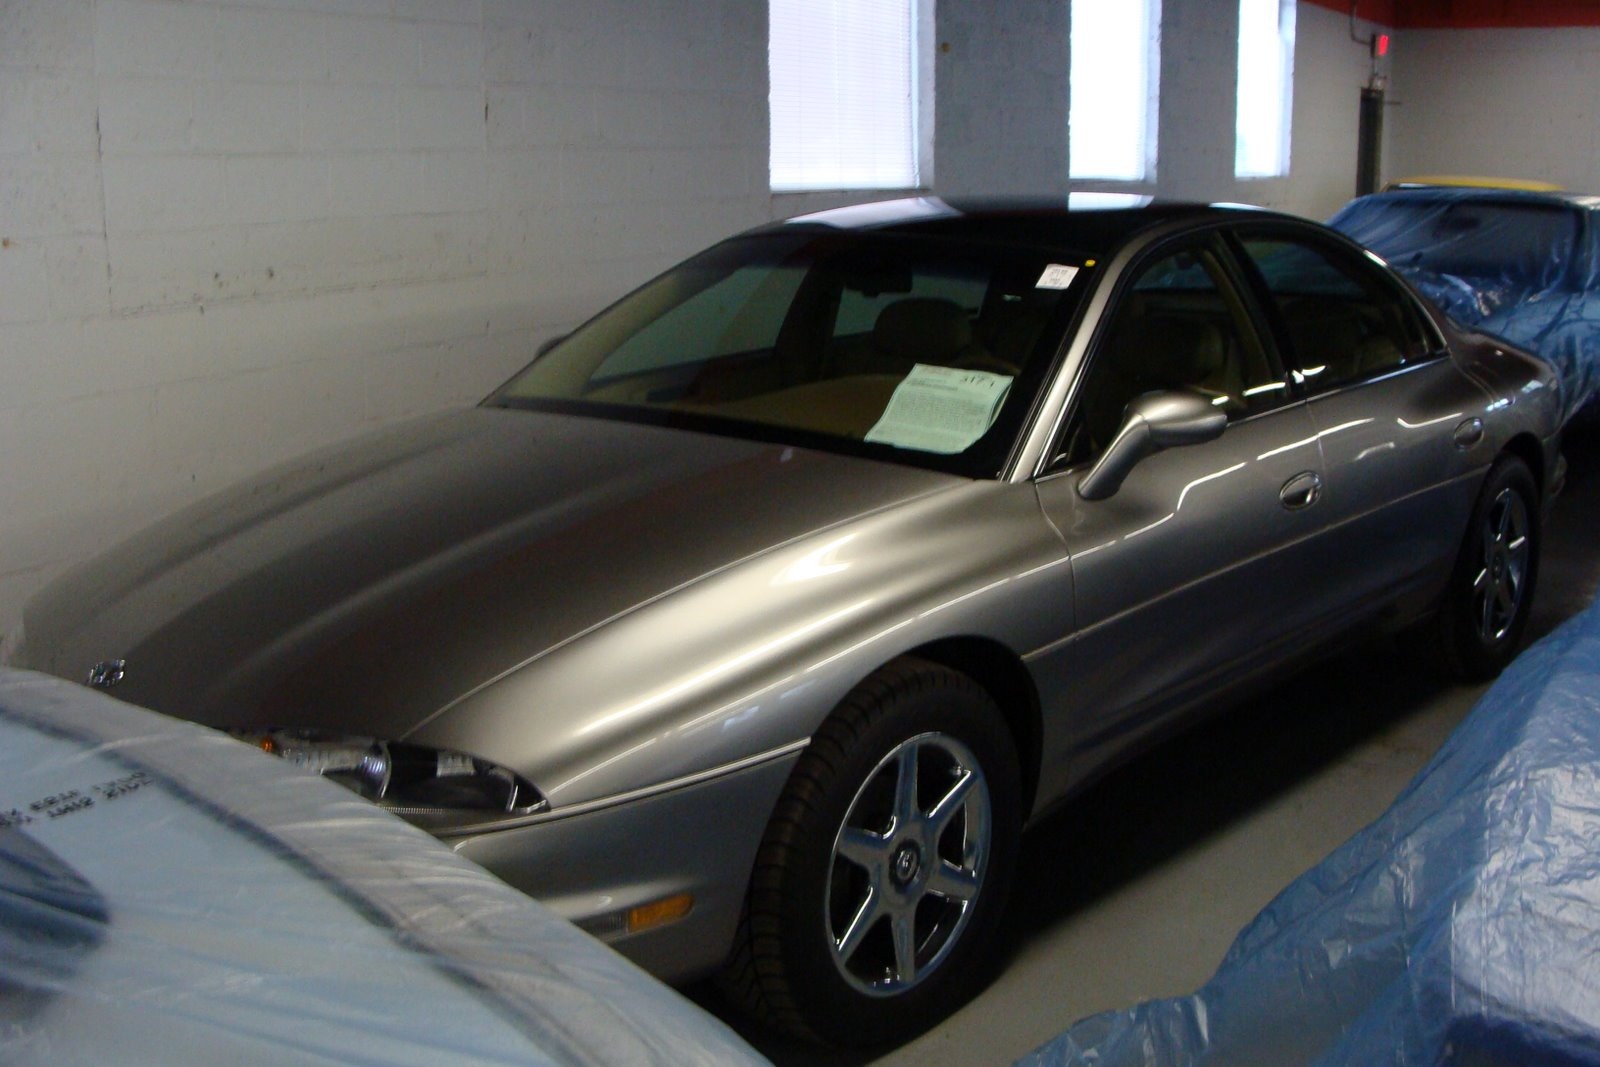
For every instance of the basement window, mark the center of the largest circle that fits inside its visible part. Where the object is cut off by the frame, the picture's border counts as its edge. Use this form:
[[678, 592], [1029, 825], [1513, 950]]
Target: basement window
[[1265, 101], [1114, 94], [847, 78]]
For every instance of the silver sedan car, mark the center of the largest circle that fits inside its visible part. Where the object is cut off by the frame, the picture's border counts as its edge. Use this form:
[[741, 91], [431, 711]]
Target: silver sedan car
[[750, 624]]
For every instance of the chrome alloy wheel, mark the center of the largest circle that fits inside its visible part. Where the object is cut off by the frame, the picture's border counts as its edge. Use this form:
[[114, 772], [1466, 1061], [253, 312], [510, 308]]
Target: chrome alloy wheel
[[908, 864], [1498, 588]]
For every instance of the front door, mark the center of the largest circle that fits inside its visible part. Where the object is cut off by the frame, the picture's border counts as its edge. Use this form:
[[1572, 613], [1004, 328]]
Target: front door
[[1197, 568]]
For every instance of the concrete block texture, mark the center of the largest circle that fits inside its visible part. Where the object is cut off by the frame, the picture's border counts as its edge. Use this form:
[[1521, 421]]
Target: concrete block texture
[[238, 228], [48, 34], [50, 194], [1517, 105], [143, 115], [24, 284], [164, 38]]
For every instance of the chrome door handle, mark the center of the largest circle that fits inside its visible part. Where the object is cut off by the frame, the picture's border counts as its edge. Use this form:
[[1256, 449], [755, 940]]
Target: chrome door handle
[[1468, 433], [1301, 491]]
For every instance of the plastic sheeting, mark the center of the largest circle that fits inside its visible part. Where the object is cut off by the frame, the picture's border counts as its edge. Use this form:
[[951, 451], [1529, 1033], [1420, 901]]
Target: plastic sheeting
[[1522, 266], [1461, 927], [168, 895], [1564, 328]]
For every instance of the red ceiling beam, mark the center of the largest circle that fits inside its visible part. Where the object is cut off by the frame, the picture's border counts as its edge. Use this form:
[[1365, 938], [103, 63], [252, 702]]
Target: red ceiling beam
[[1380, 11], [1471, 14], [1486, 14]]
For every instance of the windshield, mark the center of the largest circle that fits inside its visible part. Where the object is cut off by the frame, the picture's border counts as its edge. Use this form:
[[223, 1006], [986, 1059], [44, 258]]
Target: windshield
[[928, 351]]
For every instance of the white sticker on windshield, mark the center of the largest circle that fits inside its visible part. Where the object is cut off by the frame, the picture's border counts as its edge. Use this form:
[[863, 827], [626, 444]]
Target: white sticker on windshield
[[941, 409], [1056, 276]]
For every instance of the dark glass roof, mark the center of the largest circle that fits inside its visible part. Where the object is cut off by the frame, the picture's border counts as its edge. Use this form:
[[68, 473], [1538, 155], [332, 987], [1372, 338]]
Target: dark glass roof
[[1093, 222]]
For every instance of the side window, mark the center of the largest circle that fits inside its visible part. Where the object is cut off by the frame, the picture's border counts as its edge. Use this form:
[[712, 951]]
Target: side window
[[1344, 321], [1178, 326]]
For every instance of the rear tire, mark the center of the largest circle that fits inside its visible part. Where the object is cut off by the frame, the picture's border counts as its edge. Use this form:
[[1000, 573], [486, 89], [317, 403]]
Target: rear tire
[[880, 884], [1486, 608]]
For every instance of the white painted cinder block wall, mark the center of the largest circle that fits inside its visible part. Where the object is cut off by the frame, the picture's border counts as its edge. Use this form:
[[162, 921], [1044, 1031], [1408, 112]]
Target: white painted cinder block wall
[[231, 230], [1516, 103], [1199, 69]]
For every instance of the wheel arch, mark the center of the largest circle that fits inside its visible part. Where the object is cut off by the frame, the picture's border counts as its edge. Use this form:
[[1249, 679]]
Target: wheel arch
[[1526, 448], [1002, 674]]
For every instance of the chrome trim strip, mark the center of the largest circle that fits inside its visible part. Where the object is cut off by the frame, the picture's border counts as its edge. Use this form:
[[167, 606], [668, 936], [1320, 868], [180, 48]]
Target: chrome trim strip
[[616, 799], [1033, 456]]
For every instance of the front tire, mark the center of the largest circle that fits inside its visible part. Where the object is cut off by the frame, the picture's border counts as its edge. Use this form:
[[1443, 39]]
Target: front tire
[[1491, 591], [879, 886]]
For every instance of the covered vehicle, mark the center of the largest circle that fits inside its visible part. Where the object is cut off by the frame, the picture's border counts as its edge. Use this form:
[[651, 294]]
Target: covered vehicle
[[1460, 927], [169, 896], [1517, 264], [749, 625], [1472, 181]]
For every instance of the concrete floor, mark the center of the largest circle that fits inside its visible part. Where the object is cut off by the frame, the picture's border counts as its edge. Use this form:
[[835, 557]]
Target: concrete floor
[[1136, 890]]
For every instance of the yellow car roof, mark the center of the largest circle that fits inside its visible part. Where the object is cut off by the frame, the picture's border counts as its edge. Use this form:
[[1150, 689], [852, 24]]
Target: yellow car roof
[[1527, 184]]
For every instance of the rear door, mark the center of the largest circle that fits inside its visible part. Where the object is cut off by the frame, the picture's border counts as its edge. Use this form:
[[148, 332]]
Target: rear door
[[1399, 426]]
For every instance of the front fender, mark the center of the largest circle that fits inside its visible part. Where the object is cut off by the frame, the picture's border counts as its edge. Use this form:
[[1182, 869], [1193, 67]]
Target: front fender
[[748, 662]]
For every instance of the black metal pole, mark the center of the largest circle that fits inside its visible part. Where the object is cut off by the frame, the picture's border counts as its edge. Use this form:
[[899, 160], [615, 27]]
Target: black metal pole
[[1370, 141]]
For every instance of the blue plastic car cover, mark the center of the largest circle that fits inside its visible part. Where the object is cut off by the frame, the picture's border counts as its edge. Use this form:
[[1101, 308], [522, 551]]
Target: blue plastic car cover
[[169, 896], [1522, 266], [1463, 926], [1564, 328]]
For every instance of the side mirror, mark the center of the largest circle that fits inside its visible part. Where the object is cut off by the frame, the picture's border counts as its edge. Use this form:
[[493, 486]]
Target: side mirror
[[1168, 419]]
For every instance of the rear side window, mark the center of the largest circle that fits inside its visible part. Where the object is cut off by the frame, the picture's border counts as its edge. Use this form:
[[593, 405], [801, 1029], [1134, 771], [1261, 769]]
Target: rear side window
[[1345, 321]]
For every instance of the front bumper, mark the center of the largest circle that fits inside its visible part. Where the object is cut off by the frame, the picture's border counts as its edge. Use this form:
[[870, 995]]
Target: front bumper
[[591, 867]]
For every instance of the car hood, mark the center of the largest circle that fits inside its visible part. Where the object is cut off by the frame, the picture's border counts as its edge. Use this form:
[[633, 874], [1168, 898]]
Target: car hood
[[374, 583]]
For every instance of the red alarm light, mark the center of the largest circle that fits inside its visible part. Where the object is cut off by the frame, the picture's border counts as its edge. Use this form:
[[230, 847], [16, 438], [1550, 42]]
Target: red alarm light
[[1380, 45]]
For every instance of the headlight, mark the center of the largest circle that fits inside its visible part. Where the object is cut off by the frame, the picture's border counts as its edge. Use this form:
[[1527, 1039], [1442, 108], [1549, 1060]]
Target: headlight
[[436, 788]]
